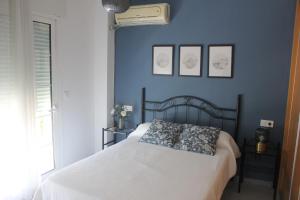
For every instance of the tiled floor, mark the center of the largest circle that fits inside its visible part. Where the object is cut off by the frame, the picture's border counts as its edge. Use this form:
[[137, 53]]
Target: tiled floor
[[250, 191]]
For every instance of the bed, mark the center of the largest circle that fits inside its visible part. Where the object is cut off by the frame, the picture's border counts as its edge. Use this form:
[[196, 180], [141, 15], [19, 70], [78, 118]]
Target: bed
[[131, 170]]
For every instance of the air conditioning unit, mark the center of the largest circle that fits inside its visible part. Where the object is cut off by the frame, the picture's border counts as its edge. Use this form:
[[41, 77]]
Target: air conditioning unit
[[155, 14]]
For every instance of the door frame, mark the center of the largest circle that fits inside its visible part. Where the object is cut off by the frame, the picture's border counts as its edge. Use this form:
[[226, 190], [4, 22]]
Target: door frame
[[55, 90], [296, 162], [290, 134]]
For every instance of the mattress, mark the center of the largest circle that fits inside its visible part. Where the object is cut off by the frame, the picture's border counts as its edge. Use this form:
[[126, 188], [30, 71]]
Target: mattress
[[131, 170]]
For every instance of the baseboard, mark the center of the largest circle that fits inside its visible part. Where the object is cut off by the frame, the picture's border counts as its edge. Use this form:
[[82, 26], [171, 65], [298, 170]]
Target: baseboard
[[255, 181], [258, 182]]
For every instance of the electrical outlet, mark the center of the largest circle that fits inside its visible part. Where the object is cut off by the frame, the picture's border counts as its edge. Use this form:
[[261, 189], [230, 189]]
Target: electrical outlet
[[267, 123], [128, 108]]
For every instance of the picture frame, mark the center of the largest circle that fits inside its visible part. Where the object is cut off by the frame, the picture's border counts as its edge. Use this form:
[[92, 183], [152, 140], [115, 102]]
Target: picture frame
[[190, 60], [163, 60], [220, 61]]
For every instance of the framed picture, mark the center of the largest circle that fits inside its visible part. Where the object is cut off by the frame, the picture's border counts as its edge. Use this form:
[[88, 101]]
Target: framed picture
[[190, 60], [162, 60], [220, 61]]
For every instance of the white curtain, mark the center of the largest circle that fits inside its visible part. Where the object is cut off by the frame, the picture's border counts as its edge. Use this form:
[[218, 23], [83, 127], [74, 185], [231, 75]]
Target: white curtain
[[18, 177]]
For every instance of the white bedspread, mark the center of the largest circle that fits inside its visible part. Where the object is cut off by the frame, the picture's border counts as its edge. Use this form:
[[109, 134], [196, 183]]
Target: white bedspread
[[131, 170]]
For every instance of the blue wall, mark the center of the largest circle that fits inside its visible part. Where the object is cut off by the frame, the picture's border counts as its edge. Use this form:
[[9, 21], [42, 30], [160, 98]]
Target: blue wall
[[262, 32]]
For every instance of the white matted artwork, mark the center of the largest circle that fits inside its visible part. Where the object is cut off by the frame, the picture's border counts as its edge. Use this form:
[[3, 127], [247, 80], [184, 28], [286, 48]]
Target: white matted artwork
[[163, 60], [190, 60], [220, 61]]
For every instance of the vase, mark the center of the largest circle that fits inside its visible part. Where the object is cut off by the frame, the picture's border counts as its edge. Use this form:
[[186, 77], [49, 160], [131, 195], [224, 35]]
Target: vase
[[121, 123]]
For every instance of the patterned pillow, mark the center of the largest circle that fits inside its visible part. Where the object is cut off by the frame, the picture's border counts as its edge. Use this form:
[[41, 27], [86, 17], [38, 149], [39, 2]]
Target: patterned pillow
[[199, 139], [161, 133]]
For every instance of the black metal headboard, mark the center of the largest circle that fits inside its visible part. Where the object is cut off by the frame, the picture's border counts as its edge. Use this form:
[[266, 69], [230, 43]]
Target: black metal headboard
[[193, 110]]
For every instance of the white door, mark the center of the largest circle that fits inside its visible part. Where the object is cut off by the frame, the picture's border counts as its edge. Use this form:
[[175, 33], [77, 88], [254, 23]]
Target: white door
[[43, 39]]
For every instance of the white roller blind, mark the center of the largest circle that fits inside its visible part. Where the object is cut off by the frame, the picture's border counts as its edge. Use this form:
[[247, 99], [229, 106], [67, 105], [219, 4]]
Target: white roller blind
[[6, 69], [42, 60]]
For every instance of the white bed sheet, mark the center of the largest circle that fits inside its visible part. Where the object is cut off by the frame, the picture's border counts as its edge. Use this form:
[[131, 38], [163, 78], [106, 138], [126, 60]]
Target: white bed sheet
[[131, 170]]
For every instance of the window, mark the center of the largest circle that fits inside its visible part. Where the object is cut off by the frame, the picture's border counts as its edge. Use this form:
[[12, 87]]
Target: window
[[43, 94]]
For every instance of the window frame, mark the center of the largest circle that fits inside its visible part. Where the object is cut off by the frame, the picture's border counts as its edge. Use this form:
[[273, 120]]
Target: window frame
[[55, 89]]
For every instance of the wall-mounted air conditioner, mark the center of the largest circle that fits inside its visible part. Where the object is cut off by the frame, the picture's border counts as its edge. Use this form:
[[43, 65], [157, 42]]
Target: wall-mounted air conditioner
[[152, 14]]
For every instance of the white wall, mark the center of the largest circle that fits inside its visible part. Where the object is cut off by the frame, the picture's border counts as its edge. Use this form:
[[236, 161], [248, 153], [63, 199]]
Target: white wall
[[85, 63], [103, 74], [49, 7]]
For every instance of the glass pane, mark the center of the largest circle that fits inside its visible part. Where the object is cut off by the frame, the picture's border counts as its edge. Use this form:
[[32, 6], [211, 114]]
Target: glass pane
[[43, 115]]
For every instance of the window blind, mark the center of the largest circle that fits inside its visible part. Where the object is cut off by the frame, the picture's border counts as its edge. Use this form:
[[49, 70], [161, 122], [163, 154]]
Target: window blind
[[42, 60], [6, 69]]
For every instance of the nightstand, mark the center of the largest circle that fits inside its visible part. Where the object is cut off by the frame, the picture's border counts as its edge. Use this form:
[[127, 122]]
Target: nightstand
[[268, 161], [118, 135]]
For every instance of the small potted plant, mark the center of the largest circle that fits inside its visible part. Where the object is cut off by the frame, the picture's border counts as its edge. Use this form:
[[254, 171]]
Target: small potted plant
[[119, 113]]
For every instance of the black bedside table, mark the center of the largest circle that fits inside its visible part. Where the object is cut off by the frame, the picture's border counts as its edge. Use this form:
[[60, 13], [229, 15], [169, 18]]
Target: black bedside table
[[118, 134], [269, 161]]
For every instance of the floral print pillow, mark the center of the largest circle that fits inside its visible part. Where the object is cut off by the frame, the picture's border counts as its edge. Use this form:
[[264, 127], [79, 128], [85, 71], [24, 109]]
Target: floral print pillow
[[161, 133], [199, 139]]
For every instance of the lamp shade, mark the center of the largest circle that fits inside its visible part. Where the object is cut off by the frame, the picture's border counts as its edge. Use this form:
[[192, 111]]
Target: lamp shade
[[115, 6]]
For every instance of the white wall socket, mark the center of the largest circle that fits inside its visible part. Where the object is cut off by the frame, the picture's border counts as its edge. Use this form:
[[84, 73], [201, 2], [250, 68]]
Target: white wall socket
[[128, 108], [267, 123]]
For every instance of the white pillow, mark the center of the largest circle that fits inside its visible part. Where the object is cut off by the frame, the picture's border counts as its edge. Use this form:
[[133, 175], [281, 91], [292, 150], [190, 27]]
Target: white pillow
[[140, 130], [225, 140]]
